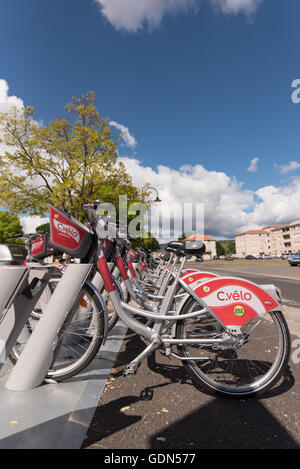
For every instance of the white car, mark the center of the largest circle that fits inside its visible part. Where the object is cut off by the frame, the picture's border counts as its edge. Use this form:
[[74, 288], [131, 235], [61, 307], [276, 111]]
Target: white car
[[12, 254]]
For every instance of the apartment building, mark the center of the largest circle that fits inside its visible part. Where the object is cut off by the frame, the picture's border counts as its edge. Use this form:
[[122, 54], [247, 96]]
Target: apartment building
[[272, 239]]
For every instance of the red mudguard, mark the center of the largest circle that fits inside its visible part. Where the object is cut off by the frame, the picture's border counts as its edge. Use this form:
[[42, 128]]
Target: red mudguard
[[195, 276], [235, 301]]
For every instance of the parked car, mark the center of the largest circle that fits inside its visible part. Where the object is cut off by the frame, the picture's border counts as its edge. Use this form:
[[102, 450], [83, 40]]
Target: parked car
[[294, 259], [250, 257], [229, 258], [12, 254], [285, 256], [265, 256]]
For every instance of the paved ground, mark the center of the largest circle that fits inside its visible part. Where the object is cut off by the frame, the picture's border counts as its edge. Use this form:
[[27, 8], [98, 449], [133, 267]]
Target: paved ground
[[277, 268], [160, 408]]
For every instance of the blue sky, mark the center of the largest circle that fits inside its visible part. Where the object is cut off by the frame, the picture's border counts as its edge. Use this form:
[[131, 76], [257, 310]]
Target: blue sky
[[206, 85]]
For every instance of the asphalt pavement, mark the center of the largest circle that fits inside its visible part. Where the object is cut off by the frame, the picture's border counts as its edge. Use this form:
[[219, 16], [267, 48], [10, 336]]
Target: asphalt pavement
[[160, 407]]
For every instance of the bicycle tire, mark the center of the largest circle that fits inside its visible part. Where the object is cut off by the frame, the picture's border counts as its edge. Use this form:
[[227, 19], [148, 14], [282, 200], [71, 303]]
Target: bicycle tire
[[212, 387]]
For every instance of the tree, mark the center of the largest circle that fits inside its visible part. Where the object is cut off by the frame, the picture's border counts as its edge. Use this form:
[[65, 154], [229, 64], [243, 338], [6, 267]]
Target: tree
[[9, 225], [149, 243], [182, 237], [42, 229], [69, 162], [220, 249]]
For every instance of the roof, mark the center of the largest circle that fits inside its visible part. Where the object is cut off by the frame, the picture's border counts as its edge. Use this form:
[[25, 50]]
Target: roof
[[199, 237], [282, 226], [271, 226], [253, 232]]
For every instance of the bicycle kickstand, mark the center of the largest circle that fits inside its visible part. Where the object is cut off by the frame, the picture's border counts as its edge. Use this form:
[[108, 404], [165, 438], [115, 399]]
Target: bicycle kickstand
[[131, 369]]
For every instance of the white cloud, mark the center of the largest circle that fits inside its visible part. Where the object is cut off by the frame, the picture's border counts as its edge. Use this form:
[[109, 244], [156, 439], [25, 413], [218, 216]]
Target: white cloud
[[129, 139], [277, 204], [134, 15], [253, 165], [291, 166], [6, 102], [237, 6], [29, 224], [229, 207]]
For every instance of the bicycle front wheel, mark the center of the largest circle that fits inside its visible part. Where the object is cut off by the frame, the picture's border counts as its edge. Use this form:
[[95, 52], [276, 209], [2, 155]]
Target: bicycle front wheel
[[252, 369]]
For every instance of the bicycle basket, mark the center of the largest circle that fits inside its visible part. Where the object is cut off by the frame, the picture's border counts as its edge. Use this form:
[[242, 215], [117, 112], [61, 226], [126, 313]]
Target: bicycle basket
[[68, 235], [40, 247]]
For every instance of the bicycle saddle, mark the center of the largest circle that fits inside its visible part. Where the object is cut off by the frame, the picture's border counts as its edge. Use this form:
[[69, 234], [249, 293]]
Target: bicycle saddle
[[195, 248], [176, 247]]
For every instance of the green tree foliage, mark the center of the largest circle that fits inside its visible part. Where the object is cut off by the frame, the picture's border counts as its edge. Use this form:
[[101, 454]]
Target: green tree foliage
[[226, 247], [149, 243], [45, 228], [182, 237], [220, 249], [69, 162], [9, 225]]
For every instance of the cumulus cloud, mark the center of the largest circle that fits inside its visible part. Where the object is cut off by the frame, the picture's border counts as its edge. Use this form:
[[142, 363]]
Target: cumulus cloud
[[237, 6], [253, 165], [225, 201], [6, 102], [133, 15], [129, 139], [277, 204], [29, 224], [291, 166], [229, 208]]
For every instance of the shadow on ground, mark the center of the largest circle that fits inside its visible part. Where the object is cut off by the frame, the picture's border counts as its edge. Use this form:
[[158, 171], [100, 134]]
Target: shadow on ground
[[195, 420]]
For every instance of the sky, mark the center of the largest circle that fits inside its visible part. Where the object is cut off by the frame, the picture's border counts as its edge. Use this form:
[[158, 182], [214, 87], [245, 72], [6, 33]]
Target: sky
[[205, 92]]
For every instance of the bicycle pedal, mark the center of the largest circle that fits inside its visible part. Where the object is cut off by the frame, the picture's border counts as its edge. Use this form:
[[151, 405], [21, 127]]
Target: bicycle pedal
[[129, 372]]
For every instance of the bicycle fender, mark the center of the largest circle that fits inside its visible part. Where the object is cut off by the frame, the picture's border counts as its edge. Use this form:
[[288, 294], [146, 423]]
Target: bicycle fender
[[103, 306], [235, 301], [196, 276], [178, 312]]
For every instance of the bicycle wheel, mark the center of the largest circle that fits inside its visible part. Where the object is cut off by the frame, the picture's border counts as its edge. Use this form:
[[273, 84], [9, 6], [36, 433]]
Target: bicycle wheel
[[249, 370], [79, 338]]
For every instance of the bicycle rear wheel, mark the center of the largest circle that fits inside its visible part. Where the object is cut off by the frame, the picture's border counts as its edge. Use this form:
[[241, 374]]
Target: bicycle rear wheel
[[79, 338], [252, 369]]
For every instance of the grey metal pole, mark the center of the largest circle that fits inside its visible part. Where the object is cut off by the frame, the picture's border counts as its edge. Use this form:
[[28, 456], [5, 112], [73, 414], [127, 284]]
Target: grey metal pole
[[37, 356], [9, 279]]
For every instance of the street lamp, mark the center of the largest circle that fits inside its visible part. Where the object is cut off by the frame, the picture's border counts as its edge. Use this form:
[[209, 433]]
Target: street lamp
[[154, 189], [156, 201]]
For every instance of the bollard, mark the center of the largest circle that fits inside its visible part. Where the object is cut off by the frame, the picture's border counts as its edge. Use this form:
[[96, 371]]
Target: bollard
[[21, 288], [37, 356]]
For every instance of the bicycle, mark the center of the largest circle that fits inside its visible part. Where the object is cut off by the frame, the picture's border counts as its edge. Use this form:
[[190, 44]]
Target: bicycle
[[216, 328]]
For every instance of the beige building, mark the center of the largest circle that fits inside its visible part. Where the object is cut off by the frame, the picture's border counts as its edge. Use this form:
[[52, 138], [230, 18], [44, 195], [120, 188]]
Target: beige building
[[272, 239], [210, 244]]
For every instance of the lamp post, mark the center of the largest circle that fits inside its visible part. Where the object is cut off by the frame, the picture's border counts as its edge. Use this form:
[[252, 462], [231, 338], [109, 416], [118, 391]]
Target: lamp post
[[157, 200]]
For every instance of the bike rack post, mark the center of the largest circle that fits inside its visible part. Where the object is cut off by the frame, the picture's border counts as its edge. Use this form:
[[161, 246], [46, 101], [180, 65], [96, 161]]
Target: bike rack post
[[21, 288], [37, 356]]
